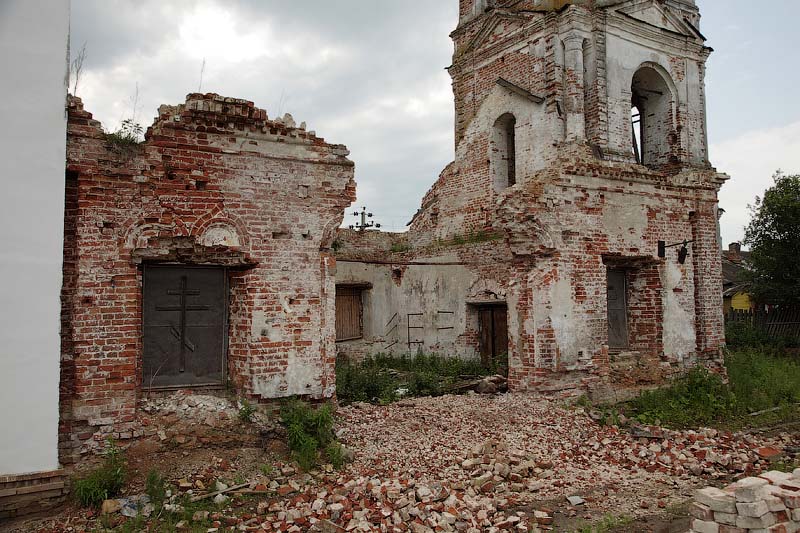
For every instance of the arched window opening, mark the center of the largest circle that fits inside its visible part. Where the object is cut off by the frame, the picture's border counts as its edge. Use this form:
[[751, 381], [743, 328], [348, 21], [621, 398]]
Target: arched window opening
[[652, 123], [504, 152]]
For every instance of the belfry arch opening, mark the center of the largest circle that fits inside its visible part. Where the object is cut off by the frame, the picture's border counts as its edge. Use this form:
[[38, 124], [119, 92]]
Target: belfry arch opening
[[652, 118], [504, 152]]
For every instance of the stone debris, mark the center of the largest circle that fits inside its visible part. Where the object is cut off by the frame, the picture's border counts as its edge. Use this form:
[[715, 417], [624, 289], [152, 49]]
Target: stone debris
[[477, 463], [767, 503]]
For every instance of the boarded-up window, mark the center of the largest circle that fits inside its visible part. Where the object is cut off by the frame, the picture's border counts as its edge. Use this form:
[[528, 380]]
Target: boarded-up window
[[348, 313]]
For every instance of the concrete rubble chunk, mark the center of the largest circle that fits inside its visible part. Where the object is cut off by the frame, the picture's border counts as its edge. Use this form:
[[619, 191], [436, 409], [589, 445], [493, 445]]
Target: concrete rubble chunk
[[749, 489], [749, 522], [701, 526], [575, 500], [752, 509], [716, 499]]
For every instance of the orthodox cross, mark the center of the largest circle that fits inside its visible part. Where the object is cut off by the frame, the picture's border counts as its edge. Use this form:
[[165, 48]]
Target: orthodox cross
[[183, 307]]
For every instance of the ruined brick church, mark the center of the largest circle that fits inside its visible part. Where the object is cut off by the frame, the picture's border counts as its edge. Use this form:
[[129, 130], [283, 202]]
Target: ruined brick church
[[211, 255]]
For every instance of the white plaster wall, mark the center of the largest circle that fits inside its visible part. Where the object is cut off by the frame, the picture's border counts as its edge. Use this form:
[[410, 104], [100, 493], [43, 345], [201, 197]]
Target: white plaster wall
[[426, 289], [33, 60], [622, 61]]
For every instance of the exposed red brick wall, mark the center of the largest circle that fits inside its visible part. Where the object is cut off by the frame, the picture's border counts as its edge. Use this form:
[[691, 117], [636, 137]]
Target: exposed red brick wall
[[214, 163]]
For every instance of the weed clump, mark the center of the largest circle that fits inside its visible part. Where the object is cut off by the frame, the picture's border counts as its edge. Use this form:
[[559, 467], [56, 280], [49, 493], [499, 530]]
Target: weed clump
[[246, 411], [763, 387], [105, 482], [699, 397], [155, 488], [384, 378], [310, 434], [126, 140]]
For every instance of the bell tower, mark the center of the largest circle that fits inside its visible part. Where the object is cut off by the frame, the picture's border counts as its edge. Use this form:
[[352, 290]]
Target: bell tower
[[625, 77]]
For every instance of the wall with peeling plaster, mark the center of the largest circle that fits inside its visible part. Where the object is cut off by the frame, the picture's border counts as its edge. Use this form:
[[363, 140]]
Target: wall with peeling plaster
[[582, 203], [210, 185], [438, 293]]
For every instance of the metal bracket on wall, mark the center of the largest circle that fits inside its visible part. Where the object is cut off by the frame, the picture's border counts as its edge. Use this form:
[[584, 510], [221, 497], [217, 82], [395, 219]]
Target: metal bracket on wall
[[393, 322], [447, 314], [410, 327]]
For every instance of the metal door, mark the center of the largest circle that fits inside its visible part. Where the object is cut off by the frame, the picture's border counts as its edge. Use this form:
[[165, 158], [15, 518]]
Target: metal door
[[493, 330], [184, 314], [617, 310]]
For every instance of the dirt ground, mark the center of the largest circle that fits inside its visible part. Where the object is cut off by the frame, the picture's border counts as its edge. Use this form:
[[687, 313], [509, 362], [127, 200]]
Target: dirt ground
[[455, 463]]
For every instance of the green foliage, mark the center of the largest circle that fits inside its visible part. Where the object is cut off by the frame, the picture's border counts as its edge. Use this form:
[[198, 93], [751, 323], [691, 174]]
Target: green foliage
[[399, 247], [774, 239], [699, 397], [763, 379], [335, 453], [377, 379], [126, 138], [267, 469], [336, 245], [155, 488], [246, 411], [364, 382], [744, 335], [308, 430], [105, 482], [609, 416], [760, 379]]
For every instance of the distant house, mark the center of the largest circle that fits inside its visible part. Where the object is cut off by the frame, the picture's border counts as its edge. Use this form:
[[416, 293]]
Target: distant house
[[735, 291]]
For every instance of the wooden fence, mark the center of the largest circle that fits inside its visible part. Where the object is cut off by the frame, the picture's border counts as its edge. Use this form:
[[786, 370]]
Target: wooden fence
[[779, 322]]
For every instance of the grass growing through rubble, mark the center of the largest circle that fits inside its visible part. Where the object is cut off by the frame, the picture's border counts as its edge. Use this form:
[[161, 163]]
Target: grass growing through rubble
[[378, 379], [607, 524], [104, 482], [763, 389], [310, 435]]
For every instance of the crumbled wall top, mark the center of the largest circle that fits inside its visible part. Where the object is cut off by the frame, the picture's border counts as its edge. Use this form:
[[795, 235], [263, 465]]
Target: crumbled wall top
[[212, 113]]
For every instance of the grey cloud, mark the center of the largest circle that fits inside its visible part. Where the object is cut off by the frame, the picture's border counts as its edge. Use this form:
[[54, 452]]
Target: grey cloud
[[385, 54]]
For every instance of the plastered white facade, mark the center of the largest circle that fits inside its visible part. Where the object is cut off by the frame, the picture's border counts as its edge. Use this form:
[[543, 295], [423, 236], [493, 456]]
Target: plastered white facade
[[33, 59]]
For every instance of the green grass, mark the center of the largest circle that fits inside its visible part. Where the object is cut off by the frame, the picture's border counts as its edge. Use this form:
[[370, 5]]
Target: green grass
[[607, 524], [246, 411], [156, 489], [377, 379], [760, 379], [741, 335], [104, 482]]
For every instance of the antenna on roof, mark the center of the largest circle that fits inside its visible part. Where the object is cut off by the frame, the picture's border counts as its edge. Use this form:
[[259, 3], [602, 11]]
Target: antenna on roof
[[202, 71], [363, 225]]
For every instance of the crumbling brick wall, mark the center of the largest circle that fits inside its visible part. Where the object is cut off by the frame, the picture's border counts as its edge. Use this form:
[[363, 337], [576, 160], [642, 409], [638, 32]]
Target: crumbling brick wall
[[569, 73], [216, 182]]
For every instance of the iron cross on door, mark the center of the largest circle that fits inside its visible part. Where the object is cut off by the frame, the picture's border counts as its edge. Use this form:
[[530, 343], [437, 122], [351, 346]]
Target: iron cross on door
[[184, 326], [183, 308]]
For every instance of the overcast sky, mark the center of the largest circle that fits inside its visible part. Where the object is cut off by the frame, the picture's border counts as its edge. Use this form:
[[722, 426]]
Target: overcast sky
[[370, 74]]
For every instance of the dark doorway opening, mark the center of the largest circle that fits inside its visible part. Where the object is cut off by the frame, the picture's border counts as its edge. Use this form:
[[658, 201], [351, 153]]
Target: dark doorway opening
[[184, 313], [617, 310], [493, 333]]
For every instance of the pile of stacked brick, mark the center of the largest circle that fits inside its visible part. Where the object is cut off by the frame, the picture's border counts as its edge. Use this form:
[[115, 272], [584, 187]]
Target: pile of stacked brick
[[768, 503]]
